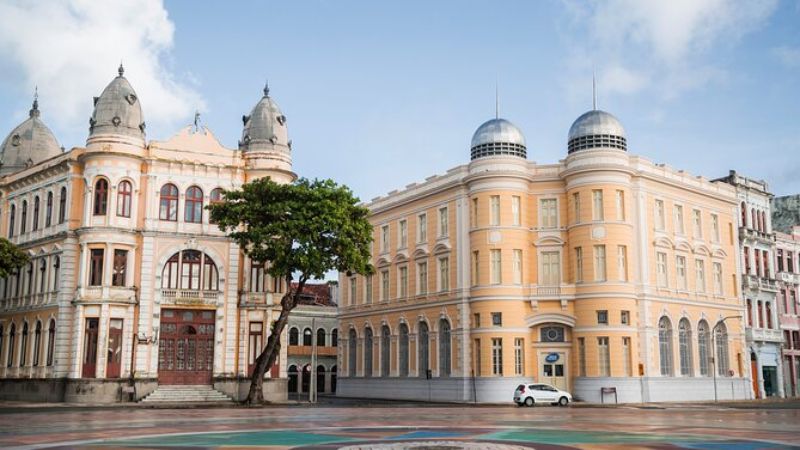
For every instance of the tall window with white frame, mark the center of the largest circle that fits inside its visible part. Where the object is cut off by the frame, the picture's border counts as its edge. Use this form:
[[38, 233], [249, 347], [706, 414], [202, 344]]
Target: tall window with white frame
[[443, 222], [519, 356], [703, 347], [678, 219], [620, 205], [422, 278], [581, 357], [576, 206], [118, 277], [353, 290], [368, 289], [476, 268], [685, 347], [549, 213], [659, 215], [661, 269], [473, 217], [578, 264], [496, 267], [402, 275], [717, 278], [402, 231], [517, 266], [665, 346], [385, 238], [597, 204], [626, 356], [551, 269], [444, 274], [714, 228], [604, 357], [422, 228], [96, 267], [494, 210], [384, 285], [600, 263], [697, 224], [700, 275], [622, 263], [516, 205], [680, 272], [497, 356]]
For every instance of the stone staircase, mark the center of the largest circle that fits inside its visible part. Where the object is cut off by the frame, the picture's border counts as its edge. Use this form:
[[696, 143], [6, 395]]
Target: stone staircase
[[185, 394]]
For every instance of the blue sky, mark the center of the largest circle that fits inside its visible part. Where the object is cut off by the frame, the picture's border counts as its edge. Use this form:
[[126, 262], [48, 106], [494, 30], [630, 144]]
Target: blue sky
[[379, 94]]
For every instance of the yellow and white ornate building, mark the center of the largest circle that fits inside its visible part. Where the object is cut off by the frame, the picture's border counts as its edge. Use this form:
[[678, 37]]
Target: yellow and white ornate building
[[129, 285], [603, 270]]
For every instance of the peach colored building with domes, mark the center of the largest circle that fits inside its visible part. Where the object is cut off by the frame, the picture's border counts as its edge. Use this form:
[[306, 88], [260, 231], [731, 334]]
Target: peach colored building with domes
[[602, 270]]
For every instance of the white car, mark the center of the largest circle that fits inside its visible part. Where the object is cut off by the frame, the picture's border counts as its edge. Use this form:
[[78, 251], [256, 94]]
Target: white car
[[530, 394]]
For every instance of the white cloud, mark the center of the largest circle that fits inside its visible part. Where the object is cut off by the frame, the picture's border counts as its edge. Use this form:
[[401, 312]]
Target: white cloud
[[788, 56], [71, 50], [622, 80]]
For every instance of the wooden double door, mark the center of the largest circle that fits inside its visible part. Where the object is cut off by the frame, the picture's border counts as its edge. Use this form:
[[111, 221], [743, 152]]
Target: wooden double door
[[186, 347]]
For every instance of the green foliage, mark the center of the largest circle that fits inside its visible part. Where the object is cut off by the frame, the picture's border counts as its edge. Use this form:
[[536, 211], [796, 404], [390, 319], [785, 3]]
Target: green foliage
[[308, 227], [11, 258]]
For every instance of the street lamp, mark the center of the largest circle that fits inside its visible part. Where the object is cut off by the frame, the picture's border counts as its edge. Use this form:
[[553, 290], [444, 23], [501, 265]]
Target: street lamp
[[714, 350]]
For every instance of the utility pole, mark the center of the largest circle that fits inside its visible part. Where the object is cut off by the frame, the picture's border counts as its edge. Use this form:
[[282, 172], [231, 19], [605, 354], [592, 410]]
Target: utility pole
[[312, 391], [714, 350]]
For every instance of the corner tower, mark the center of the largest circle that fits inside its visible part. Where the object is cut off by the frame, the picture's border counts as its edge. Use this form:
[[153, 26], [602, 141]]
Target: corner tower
[[31, 142], [265, 143], [117, 117]]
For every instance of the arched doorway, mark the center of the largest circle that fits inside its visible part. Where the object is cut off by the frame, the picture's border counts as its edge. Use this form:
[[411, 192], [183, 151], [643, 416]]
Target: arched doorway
[[333, 379], [292, 379], [186, 347], [306, 381], [321, 378]]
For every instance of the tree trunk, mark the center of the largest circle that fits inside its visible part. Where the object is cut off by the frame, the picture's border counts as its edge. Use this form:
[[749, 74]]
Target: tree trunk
[[273, 349]]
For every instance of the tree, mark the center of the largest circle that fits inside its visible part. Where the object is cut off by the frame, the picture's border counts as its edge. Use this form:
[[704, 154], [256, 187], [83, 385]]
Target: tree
[[11, 258], [304, 229]]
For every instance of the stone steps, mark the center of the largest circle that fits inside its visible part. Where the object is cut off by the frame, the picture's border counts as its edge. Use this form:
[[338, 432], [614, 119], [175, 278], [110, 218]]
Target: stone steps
[[185, 394]]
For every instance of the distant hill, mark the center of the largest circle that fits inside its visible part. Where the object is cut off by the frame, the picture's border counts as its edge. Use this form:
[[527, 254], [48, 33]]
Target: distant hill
[[785, 213]]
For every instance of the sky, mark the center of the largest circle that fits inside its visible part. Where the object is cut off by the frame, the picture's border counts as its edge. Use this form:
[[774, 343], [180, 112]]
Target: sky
[[379, 95]]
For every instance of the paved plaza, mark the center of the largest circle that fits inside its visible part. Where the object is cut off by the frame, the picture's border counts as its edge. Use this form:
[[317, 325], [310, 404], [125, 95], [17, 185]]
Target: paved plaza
[[351, 425]]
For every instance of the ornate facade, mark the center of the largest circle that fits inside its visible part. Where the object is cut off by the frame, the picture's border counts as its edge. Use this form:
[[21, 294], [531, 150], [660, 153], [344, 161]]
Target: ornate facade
[[129, 285], [603, 270]]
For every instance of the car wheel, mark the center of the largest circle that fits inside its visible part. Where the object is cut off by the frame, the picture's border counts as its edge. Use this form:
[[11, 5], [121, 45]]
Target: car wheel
[[529, 401], [563, 401]]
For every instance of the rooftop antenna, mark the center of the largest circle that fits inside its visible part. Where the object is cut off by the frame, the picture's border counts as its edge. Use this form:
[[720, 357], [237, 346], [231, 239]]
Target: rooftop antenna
[[496, 100], [594, 92]]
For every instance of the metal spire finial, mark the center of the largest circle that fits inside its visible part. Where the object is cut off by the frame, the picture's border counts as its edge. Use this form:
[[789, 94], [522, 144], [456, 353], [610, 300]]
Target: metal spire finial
[[121, 69], [34, 112], [594, 92], [196, 120], [266, 89]]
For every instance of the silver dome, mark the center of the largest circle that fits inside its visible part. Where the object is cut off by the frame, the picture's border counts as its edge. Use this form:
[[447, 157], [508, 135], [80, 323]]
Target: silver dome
[[117, 110], [31, 142], [497, 137], [265, 127], [596, 129]]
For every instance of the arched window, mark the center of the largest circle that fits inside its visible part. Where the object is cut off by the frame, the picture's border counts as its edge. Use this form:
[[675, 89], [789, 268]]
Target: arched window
[[23, 346], [12, 334], [193, 206], [100, 197], [386, 339], [292, 373], [48, 210], [334, 337], [11, 218], [403, 350], [190, 270], [24, 218], [214, 198], [294, 338], [685, 346], [35, 213], [665, 346], [444, 348], [62, 205], [56, 270], [321, 378], [37, 342], [768, 312], [168, 205], [321, 337], [721, 338], [368, 352], [43, 275], [351, 353], [703, 346], [744, 214], [307, 336], [753, 219], [124, 195], [422, 344], [51, 342]]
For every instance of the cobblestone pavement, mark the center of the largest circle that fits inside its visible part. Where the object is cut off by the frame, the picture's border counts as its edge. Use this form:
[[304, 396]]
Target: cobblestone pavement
[[401, 425]]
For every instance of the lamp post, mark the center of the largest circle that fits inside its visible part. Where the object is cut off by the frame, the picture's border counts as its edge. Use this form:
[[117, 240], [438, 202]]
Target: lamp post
[[714, 350]]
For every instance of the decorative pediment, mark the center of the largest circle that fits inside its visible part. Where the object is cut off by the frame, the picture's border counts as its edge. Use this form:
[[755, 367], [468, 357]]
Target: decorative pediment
[[420, 253], [719, 253], [664, 242], [549, 240], [442, 247], [683, 246], [401, 255], [384, 260], [552, 317], [702, 249]]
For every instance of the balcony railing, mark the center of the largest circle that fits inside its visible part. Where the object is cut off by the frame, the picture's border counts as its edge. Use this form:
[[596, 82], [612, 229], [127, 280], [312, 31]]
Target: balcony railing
[[548, 290], [760, 283], [189, 294], [763, 334], [749, 233]]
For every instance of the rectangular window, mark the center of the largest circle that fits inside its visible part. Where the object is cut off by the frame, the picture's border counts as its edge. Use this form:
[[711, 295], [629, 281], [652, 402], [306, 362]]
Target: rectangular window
[[715, 227], [517, 266], [444, 274], [477, 357], [515, 210], [576, 206], [473, 221], [368, 289], [422, 227], [625, 317], [476, 320], [497, 356], [476, 272], [678, 218], [700, 275], [551, 269], [600, 263], [620, 205], [384, 285], [256, 276], [659, 215], [497, 319], [549, 213], [403, 233], [581, 357], [661, 269], [96, 267], [494, 210], [597, 204], [578, 264], [717, 278], [519, 356], [604, 357], [602, 317], [626, 356], [120, 265], [403, 275], [422, 278], [384, 238], [443, 222], [680, 271], [697, 223], [622, 263], [496, 266], [353, 290], [255, 342]]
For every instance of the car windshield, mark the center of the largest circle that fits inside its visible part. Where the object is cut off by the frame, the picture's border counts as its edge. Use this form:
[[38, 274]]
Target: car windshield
[[521, 387]]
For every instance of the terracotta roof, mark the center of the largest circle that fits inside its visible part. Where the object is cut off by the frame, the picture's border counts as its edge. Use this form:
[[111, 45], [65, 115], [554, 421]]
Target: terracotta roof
[[315, 294]]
